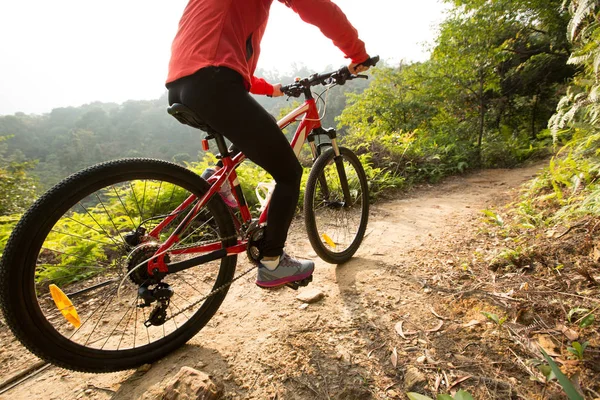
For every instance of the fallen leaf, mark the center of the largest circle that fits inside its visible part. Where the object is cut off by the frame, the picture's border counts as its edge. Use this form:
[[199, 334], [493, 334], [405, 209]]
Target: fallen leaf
[[471, 323], [438, 380], [401, 332], [398, 328], [596, 254], [568, 332], [394, 357], [436, 314], [459, 380], [437, 328]]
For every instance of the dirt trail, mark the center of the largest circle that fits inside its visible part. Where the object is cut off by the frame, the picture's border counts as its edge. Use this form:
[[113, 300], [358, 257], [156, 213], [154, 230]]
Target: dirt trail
[[262, 346]]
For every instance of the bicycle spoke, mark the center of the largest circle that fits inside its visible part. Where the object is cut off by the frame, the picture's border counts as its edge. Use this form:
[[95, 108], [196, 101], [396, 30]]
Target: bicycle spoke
[[157, 197], [99, 319], [125, 329], [110, 218], [143, 199], [100, 226], [136, 202], [115, 328], [81, 237], [103, 265]]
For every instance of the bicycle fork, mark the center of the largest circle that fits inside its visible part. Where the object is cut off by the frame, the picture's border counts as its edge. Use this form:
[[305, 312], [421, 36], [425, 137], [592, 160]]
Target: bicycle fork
[[339, 163]]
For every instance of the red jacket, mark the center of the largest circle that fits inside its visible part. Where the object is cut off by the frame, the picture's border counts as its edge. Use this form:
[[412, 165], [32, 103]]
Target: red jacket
[[228, 33]]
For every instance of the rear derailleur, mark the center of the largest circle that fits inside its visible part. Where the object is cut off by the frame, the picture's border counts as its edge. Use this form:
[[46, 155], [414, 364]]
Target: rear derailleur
[[161, 294]]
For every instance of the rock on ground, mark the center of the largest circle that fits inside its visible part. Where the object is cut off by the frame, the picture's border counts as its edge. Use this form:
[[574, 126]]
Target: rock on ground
[[310, 295], [188, 384]]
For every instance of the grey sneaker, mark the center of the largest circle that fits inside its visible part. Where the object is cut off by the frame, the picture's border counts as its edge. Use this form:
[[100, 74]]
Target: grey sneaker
[[289, 270]]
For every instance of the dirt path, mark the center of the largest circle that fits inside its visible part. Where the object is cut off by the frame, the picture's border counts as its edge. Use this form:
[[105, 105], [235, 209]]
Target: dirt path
[[262, 346]]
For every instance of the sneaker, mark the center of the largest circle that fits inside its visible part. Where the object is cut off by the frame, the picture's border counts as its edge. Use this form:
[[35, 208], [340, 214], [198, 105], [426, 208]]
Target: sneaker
[[225, 191], [288, 270]]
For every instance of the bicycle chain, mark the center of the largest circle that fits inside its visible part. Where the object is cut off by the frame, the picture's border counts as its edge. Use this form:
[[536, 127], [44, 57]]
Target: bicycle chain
[[217, 290], [196, 244]]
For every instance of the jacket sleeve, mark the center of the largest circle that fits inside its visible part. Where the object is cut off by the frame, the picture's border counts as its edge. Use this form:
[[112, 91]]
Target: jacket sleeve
[[328, 17], [260, 86]]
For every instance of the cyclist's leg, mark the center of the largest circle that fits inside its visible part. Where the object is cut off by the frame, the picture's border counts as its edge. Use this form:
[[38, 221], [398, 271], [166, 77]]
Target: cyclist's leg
[[219, 97]]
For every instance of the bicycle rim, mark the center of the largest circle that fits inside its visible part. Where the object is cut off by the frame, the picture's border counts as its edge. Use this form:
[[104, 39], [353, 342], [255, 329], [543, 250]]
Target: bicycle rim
[[336, 227]]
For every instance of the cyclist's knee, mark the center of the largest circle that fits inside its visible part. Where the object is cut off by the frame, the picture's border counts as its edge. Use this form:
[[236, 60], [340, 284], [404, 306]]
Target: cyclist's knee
[[297, 173], [291, 175]]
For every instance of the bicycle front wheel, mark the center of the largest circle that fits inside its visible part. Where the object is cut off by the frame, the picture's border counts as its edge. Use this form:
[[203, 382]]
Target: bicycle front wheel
[[83, 248], [336, 205]]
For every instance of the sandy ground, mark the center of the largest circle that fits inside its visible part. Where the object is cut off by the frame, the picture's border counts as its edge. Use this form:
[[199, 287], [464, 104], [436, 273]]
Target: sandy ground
[[261, 345]]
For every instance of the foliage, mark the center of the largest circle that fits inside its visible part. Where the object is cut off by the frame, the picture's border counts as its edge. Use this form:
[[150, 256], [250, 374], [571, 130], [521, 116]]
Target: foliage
[[460, 395], [565, 383], [578, 349], [569, 187], [17, 187], [482, 99], [586, 318], [493, 317]]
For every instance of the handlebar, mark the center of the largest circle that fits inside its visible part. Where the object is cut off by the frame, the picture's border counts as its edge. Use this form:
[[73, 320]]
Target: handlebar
[[339, 77]]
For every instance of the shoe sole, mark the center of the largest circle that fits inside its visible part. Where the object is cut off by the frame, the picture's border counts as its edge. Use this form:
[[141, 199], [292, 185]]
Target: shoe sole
[[283, 281]]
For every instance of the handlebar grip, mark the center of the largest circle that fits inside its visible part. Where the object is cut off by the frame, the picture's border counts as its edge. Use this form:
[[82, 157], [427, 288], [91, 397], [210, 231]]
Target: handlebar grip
[[371, 62]]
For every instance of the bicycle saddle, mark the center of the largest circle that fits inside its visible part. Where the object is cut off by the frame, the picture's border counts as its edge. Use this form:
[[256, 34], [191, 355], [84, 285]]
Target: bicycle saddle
[[186, 116]]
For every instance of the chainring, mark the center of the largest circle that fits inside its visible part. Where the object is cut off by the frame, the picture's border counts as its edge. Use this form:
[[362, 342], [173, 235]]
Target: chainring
[[255, 244]]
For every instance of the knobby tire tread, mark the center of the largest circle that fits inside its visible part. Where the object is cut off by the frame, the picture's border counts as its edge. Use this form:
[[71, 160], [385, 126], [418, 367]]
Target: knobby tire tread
[[309, 216]]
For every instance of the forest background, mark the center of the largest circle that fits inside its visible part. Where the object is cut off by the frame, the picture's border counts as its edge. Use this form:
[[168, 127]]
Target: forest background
[[497, 73]]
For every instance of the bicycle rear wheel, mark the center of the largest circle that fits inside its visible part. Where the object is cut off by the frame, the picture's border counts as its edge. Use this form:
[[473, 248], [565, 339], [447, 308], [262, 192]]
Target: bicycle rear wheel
[[79, 238], [336, 205]]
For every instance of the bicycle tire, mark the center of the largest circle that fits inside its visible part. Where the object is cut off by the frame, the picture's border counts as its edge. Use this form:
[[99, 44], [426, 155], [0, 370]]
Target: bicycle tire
[[20, 294], [324, 170]]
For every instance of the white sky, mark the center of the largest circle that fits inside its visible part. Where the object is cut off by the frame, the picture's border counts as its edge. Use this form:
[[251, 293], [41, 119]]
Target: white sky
[[71, 52]]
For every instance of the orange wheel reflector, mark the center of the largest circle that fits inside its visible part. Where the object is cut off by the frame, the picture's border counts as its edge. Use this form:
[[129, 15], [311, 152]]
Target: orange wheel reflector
[[328, 240], [65, 306]]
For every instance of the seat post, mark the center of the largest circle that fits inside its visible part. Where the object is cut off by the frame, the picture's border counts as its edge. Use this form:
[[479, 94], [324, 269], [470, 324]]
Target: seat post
[[221, 145]]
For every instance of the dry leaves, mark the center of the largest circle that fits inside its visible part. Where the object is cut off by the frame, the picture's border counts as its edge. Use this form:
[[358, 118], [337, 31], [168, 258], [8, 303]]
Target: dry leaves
[[568, 332], [471, 323], [394, 357], [437, 328], [401, 332]]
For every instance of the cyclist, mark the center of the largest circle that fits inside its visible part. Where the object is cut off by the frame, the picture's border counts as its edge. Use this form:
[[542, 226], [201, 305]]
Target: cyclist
[[213, 58]]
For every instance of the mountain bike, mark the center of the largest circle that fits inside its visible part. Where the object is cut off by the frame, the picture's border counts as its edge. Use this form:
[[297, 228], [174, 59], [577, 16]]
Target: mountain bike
[[125, 261]]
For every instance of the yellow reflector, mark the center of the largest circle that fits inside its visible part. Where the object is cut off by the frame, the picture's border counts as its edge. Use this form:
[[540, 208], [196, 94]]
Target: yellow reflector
[[65, 306], [328, 240]]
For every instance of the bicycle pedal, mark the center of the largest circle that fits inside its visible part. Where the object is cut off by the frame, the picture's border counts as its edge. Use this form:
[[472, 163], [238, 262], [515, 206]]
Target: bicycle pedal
[[297, 284]]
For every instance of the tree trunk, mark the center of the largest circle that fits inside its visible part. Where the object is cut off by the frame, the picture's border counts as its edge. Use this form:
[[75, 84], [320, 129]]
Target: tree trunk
[[481, 115], [534, 115]]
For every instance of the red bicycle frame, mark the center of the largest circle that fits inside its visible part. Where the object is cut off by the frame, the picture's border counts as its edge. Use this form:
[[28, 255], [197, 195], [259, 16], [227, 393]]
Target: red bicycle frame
[[214, 251]]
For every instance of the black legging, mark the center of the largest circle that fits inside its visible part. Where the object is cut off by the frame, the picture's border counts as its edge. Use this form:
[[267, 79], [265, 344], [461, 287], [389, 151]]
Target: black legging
[[218, 96]]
